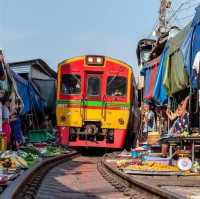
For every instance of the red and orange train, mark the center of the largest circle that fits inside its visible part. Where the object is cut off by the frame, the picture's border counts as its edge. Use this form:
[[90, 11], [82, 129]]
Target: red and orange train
[[96, 102]]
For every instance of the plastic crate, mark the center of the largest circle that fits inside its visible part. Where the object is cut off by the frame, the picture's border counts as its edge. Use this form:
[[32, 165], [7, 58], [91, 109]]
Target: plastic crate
[[37, 136]]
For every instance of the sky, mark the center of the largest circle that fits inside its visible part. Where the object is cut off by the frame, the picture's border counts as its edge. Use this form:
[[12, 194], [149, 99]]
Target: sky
[[54, 30]]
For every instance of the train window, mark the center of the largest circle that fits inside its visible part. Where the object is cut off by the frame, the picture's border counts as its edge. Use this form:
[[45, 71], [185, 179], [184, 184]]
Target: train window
[[71, 84], [93, 87], [116, 86]]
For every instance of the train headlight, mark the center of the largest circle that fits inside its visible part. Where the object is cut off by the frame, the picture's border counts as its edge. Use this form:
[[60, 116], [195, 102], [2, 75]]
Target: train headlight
[[121, 121], [90, 60], [99, 60], [62, 118], [94, 60]]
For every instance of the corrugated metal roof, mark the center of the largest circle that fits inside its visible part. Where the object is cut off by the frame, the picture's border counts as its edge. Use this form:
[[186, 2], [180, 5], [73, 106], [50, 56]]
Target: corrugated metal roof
[[21, 69], [39, 62]]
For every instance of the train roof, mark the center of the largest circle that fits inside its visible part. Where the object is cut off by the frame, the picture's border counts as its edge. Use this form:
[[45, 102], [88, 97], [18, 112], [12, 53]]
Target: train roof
[[107, 57]]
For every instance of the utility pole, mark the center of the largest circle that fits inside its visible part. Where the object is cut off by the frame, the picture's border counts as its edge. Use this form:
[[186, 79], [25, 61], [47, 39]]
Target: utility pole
[[163, 22]]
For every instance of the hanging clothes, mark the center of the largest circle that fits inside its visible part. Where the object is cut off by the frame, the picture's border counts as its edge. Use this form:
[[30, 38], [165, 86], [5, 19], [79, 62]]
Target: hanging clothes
[[176, 77], [150, 73]]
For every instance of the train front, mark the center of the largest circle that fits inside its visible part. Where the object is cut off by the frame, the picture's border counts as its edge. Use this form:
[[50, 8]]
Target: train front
[[93, 102]]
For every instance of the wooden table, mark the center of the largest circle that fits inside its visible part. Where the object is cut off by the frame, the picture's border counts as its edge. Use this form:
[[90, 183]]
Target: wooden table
[[174, 141]]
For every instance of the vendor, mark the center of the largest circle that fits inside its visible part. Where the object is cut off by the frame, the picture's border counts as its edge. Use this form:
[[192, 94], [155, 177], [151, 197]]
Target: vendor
[[180, 124], [181, 116], [6, 121], [15, 123], [148, 120]]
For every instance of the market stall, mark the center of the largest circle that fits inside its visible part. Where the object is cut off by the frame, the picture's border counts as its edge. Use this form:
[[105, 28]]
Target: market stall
[[172, 92]]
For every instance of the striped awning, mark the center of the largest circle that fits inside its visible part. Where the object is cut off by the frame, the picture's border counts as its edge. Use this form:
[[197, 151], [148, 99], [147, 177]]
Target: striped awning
[[150, 73]]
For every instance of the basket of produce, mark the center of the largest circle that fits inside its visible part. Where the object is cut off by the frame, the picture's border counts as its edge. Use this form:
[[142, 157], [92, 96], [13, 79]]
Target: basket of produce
[[30, 158], [153, 137]]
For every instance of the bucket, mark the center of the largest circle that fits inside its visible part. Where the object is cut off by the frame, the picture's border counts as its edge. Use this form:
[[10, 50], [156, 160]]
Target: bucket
[[135, 154]]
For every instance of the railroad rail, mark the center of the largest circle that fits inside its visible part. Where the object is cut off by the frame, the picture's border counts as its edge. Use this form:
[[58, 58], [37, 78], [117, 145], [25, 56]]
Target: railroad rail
[[27, 184], [134, 188], [35, 182]]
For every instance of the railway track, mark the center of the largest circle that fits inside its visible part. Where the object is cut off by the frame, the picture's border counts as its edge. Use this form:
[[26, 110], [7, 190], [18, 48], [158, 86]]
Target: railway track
[[27, 185], [75, 176], [133, 187], [70, 176]]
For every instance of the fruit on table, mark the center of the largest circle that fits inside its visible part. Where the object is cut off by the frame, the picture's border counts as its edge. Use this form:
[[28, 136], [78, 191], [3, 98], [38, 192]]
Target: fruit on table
[[185, 134], [124, 162], [195, 167], [152, 166]]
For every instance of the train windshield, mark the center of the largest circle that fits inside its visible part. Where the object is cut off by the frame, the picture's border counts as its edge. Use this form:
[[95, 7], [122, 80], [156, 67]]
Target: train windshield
[[116, 86], [93, 88], [71, 84]]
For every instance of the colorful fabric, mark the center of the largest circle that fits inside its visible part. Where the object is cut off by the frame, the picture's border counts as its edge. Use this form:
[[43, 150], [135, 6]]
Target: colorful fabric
[[146, 73], [182, 123], [160, 93], [152, 81], [150, 73], [6, 131]]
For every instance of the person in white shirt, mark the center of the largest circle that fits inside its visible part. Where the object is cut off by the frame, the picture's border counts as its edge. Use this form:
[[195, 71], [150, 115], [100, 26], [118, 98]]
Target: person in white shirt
[[196, 62]]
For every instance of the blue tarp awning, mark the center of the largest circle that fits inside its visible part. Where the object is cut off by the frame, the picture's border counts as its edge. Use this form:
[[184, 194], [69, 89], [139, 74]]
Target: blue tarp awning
[[160, 93], [29, 96], [191, 46]]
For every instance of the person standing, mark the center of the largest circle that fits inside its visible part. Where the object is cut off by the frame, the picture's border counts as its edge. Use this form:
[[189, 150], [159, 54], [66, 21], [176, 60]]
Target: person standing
[[180, 117], [6, 121], [149, 121], [15, 124]]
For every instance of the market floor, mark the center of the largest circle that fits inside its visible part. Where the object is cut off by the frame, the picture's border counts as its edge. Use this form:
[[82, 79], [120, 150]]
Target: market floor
[[77, 179]]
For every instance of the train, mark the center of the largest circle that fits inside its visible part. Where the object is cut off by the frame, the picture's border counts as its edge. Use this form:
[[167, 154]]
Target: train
[[96, 103]]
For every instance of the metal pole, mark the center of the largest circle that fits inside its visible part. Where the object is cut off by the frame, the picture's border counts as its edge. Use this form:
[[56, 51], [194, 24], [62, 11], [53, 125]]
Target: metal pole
[[163, 22]]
